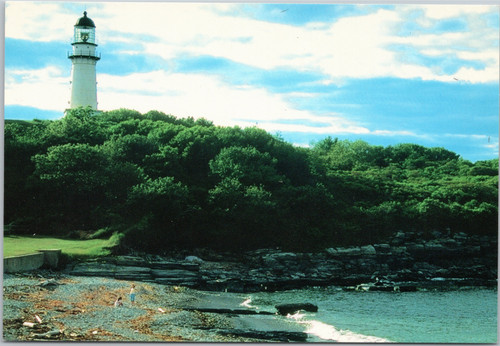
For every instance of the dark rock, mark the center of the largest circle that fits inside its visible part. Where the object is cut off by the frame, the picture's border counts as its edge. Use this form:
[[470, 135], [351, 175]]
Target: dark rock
[[349, 252], [173, 273], [173, 265], [133, 261], [285, 309], [194, 282], [368, 250], [277, 336], [351, 280], [230, 311], [94, 269], [382, 248], [407, 288], [133, 273], [194, 260], [410, 259]]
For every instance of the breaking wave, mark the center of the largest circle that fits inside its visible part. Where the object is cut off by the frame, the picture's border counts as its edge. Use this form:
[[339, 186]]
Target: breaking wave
[[328, 332]]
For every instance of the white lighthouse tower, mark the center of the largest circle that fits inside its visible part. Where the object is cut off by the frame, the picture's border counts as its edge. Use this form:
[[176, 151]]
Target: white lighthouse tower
[[84, 59]]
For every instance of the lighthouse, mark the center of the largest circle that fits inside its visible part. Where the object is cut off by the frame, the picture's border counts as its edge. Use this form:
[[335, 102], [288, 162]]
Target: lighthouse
[[84, 59]]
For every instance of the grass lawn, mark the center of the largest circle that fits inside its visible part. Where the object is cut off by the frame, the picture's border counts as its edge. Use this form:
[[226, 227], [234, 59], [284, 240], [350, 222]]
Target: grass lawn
[[20, 245]]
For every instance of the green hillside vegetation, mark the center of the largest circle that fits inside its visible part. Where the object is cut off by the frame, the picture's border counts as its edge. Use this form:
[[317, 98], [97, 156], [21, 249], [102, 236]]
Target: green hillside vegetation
[[164, 182]]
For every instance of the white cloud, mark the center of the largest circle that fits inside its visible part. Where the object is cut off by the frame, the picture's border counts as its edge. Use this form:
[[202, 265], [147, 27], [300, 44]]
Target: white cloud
[[207, 96], [477, 76], [351, 47], [47, 88], [341, 127], [439, 12], [45, 22]]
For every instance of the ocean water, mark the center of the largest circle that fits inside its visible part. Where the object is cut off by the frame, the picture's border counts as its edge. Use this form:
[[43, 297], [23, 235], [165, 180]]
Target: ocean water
[[458, 316]]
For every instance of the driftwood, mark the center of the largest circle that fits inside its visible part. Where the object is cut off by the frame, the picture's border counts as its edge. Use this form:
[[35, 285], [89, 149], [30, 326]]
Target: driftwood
[[48, 335]]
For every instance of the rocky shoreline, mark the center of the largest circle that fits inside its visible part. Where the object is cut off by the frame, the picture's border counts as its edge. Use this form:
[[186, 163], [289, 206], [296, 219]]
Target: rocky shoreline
[[179, 297], [406, 262]]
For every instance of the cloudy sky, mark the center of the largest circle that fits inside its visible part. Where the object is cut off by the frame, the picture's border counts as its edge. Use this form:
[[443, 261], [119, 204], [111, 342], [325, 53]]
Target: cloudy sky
[[386, 74]]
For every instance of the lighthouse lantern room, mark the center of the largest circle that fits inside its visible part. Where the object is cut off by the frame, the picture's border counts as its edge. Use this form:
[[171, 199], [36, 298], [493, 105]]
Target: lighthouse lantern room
[[84, 59]]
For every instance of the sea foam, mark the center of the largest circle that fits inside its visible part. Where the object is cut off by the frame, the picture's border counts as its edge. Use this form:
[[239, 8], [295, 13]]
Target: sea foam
[[326, 331]]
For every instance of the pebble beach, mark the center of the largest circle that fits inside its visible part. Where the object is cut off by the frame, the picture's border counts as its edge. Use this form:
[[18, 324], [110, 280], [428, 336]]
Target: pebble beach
[[45, 306]]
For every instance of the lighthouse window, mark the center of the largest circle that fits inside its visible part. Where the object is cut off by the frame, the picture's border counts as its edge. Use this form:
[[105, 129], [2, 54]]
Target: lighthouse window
[[84, 35]]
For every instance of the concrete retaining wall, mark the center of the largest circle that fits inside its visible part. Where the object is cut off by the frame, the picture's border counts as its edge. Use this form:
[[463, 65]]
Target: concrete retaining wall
[[24, 263]]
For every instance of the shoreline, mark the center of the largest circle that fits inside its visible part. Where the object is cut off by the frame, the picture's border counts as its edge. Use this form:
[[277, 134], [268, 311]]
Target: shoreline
[[198, 295], [73, 308], [55, 306]]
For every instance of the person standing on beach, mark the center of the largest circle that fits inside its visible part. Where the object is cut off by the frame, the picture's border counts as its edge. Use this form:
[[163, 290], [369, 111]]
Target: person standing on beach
[[132, 294]]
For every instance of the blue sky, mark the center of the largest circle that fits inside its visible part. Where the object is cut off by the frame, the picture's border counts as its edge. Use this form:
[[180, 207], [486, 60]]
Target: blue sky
[[386, 74]]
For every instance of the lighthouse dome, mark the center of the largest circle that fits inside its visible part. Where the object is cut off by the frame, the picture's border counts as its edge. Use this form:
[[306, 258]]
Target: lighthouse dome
[[85, 21]]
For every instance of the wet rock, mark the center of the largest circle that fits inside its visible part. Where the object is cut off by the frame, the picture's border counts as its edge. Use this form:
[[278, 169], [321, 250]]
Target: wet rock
[[276, 336], [230, 311], [406, 288], [285, 309]]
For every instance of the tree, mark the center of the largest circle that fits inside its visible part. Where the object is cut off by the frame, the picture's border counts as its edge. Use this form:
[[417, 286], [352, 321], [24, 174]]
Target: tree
[[22, 140], [247, 165], [73, 180], [131, 148], [170, 182], [243, 215], [79, 125], [162, 204]]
